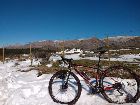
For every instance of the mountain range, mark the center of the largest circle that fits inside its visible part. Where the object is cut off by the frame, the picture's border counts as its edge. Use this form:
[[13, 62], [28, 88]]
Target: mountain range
[[85, 44]]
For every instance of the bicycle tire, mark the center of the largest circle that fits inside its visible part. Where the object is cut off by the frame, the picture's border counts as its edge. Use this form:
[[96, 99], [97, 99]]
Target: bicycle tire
[[78, 84], [130, 97]]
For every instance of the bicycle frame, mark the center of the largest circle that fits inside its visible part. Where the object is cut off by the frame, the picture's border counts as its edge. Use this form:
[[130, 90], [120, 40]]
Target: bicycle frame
[[87, 79], [84, 75], [96, 74]]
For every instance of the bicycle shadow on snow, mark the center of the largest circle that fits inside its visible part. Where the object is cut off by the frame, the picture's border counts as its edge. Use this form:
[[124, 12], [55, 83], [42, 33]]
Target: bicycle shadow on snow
[[88, 89]]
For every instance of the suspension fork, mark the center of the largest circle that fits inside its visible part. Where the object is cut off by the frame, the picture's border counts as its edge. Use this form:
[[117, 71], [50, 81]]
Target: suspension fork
[[69, 71], [98, 83], [66, 83]]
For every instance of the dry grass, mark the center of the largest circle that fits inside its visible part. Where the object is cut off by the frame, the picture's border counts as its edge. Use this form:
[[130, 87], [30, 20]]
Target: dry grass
[[88, 63], [1, 57]]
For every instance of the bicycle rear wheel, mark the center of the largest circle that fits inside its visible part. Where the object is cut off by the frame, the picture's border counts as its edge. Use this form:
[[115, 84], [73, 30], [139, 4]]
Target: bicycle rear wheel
[[64, 93], [120, 85]]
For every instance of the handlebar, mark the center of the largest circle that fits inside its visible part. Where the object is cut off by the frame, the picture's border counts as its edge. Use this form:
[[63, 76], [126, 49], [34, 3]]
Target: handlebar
[[66, 60], [101, 50]]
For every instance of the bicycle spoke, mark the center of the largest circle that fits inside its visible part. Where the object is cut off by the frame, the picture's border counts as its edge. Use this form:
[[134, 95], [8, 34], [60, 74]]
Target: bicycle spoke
[[65, 92]]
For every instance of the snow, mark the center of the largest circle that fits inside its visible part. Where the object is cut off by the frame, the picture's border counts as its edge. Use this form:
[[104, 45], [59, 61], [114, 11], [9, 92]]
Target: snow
[[54, 58], [127, 57], [81, 39], [42, 40], [72, 51], [75, 55], [115, 38], [121, 50], [25, 88], [130, 57], [49, 65], [25, 55]]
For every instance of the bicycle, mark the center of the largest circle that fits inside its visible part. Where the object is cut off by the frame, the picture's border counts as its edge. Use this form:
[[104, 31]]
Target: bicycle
[[117, 84]]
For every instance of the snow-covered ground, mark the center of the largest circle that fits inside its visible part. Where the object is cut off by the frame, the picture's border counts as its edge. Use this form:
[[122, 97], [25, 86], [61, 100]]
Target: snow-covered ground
[[25, 88], [127, 57], [75, 55]]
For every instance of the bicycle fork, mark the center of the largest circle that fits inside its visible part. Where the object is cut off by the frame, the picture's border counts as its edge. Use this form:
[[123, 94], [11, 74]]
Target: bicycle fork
[[65, 84]]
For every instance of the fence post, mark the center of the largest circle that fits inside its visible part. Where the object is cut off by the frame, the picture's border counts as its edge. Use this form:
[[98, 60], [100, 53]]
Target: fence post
[[3, 54], [31, 54], [63, 53]]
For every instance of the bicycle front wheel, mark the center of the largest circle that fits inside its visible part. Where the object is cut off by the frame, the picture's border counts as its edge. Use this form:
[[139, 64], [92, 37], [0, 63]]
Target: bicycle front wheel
[[64, 92], [120, 85]]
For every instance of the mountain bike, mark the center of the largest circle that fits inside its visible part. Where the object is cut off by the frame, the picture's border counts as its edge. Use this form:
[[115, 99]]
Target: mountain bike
[[118, 84]]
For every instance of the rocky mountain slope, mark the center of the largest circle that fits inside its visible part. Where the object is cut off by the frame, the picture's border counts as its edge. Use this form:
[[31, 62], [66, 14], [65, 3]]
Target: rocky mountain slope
[[86, 44], [124, 42]]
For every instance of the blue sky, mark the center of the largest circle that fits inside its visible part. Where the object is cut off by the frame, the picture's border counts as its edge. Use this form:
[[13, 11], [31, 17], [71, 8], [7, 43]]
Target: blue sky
[[23, 21]]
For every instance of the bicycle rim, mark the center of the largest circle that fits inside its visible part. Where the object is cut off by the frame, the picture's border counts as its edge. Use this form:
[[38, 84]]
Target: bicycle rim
[[59, 93], [120, 85]]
